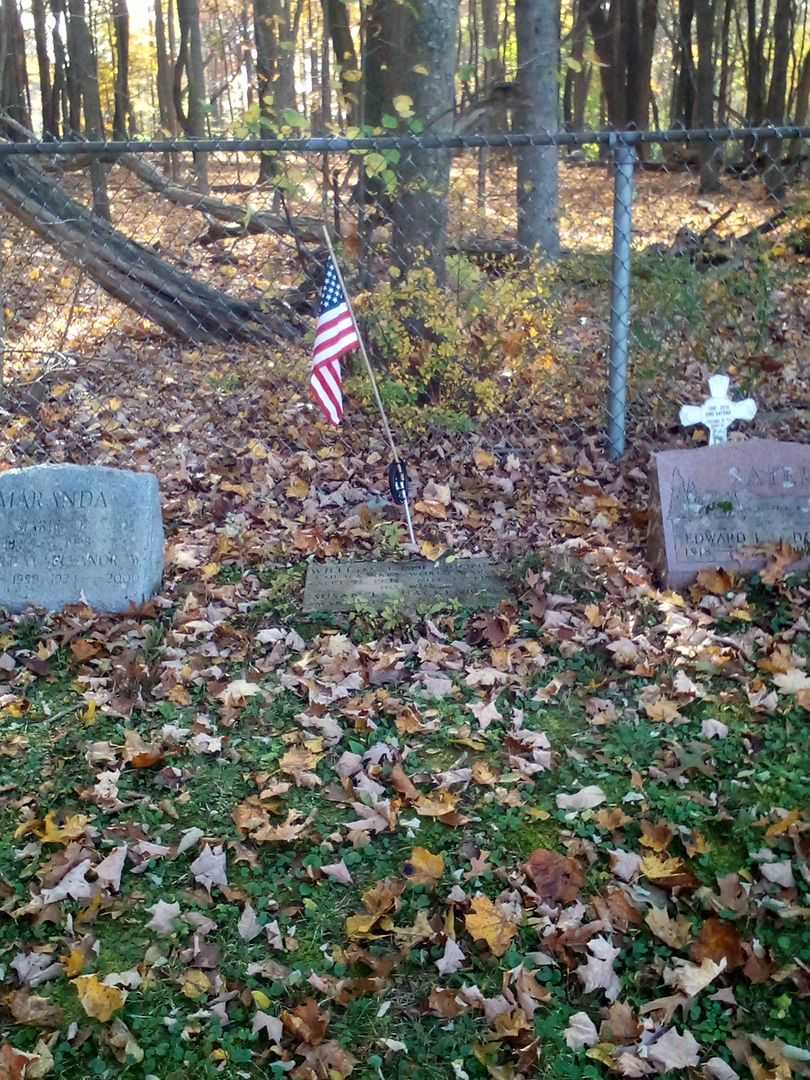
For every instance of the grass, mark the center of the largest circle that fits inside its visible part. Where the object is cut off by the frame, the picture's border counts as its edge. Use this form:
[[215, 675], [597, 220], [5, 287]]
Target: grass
[[686, 783]]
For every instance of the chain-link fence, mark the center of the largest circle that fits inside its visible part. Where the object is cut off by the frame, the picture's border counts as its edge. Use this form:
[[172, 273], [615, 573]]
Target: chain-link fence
[[135, 305]]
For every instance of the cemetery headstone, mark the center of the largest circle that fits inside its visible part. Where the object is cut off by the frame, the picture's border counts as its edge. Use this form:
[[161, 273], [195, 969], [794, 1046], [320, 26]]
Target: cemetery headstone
[[77, 533], [725, 506], [338, 585], [718, 412]]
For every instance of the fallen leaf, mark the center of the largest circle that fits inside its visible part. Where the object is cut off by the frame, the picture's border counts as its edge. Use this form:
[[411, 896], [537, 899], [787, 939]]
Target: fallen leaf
[[163, 917], [238, 692], [490, 923], [677, 933], [598, 973], [437, 804], [338, 872], [656, 837], [555, 878], [690, 978], [109, 870], [792, 681], [584, 799], [625, 864], [581, 1031], [33, 1010], [779, 873], [452, 959], [15, 1064], [97, 999], [717, 1069], [674, 1051], [72, 829], [209, 868], [248, 926], [195, 984], [270, 1025], [423, 867], [719, 940], [306, 1022]]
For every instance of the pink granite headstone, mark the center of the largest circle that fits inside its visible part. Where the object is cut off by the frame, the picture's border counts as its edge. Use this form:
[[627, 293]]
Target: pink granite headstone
[[726, 506]]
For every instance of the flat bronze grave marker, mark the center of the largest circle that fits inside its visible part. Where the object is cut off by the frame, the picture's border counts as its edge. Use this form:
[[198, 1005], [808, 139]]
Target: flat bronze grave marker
[[338, 585]]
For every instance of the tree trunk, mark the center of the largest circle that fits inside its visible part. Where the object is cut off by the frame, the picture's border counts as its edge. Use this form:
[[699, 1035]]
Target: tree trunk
[[726, 66], [494, 73], [336, 16], [683, 104], [61, 99], [289, 22], [606, 33], [190, 61], [537, 28], [130, 272], [264, 31], [781, 35], [168, 116], [123, 107], [49, 118], [709, 165], [83, 61], [774, 175], [13, 70], [755, 75], [646, 48], [410, 51], [575, 73], [803, 92]]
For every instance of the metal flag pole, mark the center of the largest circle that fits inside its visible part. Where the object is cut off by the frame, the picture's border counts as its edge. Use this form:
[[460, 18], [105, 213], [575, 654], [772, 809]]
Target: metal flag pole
[[386, 426]]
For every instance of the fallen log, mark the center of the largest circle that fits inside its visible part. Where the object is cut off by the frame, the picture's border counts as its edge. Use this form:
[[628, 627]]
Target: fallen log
[[306, 228], [132, 273]]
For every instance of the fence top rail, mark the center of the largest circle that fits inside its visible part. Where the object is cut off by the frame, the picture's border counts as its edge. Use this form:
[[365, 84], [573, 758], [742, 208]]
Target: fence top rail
[[341, 144]]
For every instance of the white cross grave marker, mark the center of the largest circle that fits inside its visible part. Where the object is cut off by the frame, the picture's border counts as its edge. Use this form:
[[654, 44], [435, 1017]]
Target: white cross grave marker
[[718, 412]]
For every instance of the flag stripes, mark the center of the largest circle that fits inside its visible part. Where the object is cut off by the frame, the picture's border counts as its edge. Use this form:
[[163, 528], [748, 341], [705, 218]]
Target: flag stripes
[[335, 335]]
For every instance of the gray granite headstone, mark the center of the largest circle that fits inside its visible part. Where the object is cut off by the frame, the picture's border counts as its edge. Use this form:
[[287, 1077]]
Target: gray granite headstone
[[724, 506], [338, 585], [73, 533]]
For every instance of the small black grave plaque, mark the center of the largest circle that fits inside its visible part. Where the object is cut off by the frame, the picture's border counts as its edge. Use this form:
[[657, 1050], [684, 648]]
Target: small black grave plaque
[[338, 585]]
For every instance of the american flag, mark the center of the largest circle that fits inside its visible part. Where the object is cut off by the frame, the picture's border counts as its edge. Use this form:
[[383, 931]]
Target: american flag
[[335, 335]]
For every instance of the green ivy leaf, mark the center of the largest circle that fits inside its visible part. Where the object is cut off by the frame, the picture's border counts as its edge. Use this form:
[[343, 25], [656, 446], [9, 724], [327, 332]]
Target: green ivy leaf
[[294, 119], [374, 163]]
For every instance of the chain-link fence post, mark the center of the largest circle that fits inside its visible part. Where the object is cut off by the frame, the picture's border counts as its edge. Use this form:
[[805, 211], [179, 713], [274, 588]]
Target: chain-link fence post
[[624, 159]]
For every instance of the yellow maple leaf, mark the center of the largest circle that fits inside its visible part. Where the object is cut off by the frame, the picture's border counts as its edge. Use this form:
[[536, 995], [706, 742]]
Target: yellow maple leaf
[[368, 926], [490, 923], [51, 833], [98, 1000], [782, 826], [74, 962], [482, 773], [195, 984], [652, 867], [436, 805], [432, 551], [483, 459], [299, 759], [423, 867]]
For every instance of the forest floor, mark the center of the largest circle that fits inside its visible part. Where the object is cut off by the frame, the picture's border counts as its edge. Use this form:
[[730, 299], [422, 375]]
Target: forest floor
[[566, 839]]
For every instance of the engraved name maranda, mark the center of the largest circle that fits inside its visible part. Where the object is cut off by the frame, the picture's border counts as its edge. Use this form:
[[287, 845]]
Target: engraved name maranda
[[82, 499]]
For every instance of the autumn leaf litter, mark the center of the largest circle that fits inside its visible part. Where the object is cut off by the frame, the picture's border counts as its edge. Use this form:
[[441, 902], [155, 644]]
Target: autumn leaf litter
[[565, 838]]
